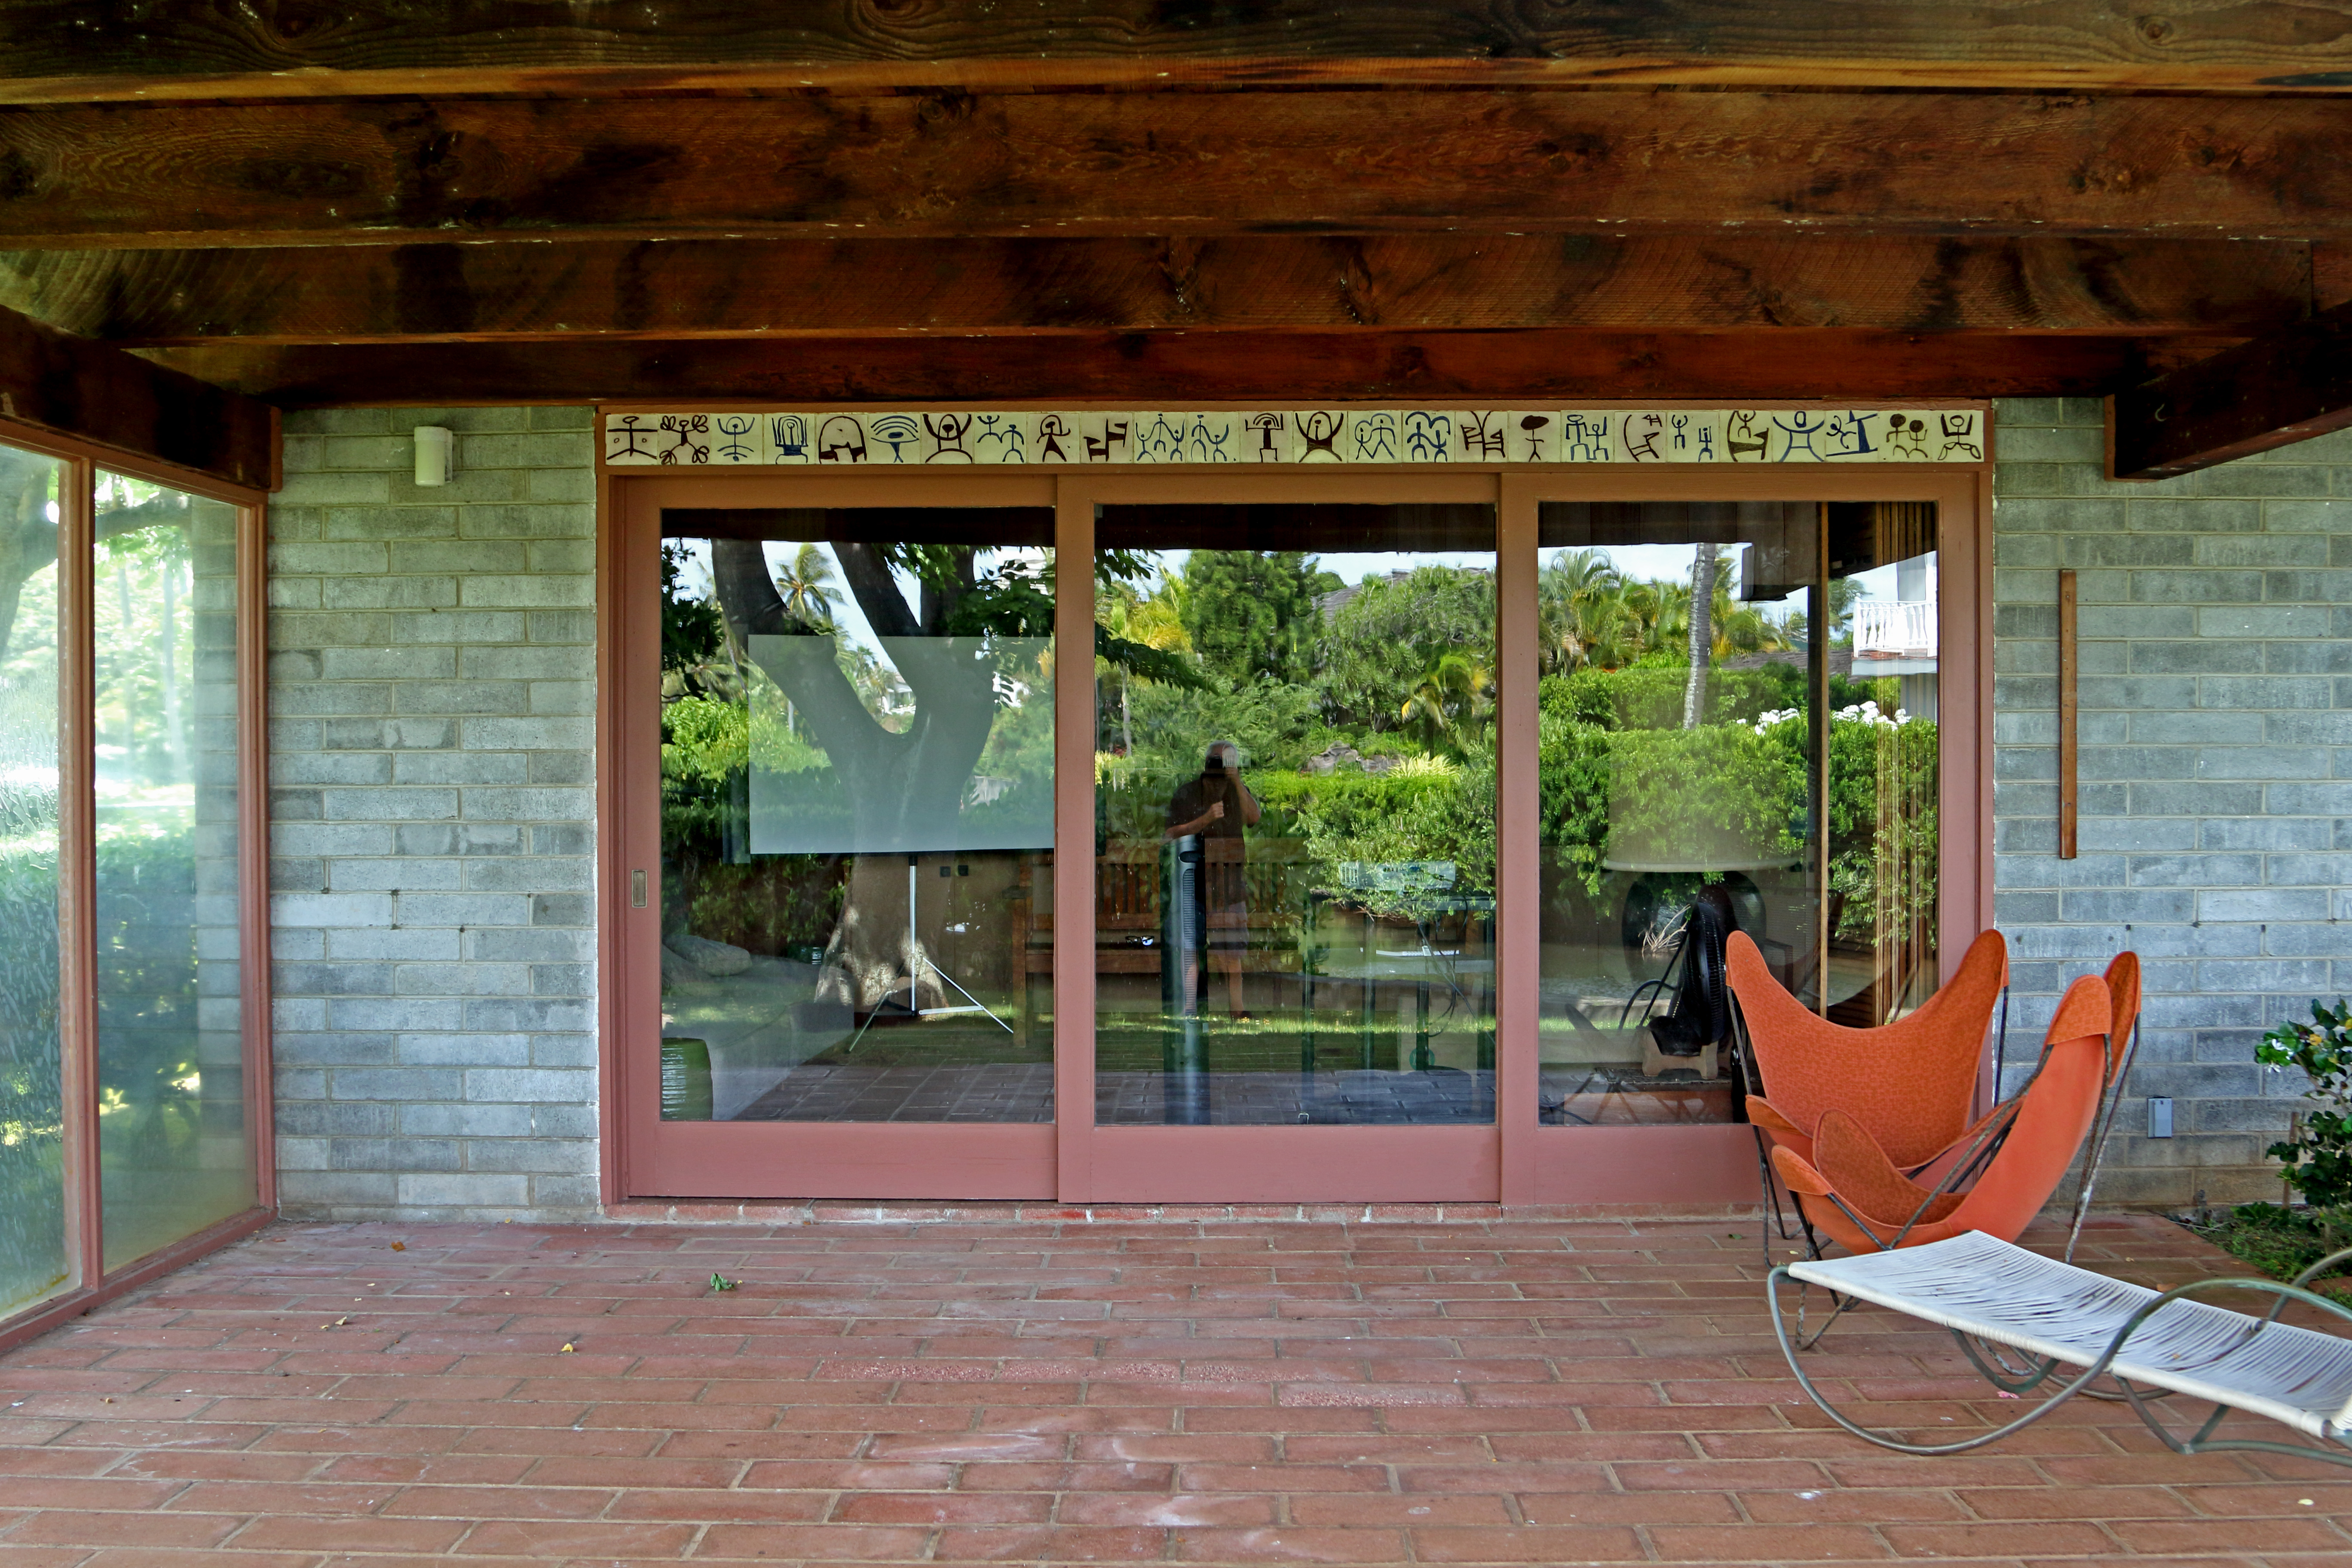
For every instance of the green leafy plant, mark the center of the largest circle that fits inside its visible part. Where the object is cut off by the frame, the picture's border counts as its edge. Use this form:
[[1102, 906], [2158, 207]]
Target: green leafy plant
[[2319, 1158]]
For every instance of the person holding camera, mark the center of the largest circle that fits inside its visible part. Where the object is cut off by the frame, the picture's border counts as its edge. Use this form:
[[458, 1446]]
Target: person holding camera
[[1215, 808]]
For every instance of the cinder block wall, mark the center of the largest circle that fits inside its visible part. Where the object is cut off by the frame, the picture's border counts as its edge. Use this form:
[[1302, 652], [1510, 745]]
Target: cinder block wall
[[2216, 768], [430, 716]]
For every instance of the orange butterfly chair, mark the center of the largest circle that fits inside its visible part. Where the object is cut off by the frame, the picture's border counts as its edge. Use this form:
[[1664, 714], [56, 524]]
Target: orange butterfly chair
[[1910, 1083], [1855, 1193]]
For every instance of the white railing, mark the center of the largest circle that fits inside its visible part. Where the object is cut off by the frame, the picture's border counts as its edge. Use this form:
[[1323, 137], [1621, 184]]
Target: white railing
[[1889, 628]]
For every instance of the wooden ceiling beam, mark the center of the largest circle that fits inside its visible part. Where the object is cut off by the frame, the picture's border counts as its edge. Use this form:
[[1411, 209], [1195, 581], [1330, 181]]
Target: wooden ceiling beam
[[85, 50], [101, 394], [952, 165], [1195, 366], [1397, 282], [2281, 388]]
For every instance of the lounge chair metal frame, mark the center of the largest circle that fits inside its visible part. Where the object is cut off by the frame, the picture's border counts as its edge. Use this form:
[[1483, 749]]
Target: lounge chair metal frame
[[2042, 1367]]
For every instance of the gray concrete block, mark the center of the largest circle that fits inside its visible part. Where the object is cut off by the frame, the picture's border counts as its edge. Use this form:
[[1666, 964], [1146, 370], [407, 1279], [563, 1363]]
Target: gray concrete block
[[465, 1192], [529, 1085], [2267, 904], [465, 767], [403, 1083], [464, 1051], [466, 1119]]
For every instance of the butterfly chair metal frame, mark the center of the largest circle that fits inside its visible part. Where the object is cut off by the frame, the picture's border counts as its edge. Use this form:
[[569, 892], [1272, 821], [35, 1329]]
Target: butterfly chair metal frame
[[1959, 1284]]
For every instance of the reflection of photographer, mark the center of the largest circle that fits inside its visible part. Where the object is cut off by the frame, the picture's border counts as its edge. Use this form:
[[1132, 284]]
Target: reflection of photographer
[[1214, 809]]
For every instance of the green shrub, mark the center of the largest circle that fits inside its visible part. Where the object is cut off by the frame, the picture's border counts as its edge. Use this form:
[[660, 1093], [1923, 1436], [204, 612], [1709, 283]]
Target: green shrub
[[2319, 1159]]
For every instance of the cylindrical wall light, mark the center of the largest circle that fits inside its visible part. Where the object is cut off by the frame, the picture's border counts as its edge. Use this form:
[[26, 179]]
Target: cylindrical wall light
[[437, 453]]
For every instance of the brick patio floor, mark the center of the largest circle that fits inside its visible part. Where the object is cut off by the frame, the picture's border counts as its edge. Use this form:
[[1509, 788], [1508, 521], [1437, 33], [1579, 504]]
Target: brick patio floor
[[1029, 1388]]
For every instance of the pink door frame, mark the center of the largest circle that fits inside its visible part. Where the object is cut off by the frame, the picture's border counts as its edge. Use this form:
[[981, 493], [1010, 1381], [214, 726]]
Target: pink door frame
[[1517, 1161]]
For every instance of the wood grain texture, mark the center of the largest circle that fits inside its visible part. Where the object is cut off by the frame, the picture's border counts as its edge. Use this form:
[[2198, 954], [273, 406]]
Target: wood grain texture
[[1174, 368], [144, 48], [1396, 282], [102, 395], [2282, 387], [950, 165]]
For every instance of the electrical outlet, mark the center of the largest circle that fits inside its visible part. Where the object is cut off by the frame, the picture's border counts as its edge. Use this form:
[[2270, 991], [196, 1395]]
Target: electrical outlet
[[2159, 1117]]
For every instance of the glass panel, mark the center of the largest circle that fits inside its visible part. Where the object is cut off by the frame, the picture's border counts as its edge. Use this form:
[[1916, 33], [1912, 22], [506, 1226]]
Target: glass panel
[[857, 815], [1681, 774], [172, 1142], [1294, 799], [33, 1262]]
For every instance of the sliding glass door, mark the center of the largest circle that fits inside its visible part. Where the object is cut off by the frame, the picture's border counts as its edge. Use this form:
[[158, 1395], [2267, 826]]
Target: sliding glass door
[[132, 1083], [1423, 807]]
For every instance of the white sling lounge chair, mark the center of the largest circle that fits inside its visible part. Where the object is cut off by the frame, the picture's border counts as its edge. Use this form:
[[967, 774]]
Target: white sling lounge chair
[[1990, 1292]]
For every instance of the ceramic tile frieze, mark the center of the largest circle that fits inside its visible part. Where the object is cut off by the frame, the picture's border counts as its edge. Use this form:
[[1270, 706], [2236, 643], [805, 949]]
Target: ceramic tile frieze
[[1296, 436]]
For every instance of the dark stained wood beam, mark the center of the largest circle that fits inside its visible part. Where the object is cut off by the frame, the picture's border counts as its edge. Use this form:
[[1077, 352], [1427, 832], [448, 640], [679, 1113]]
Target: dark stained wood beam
[[2281, 388], [102, 395], [197, 48], [1181, 367], [953, 165], [1395, 282]]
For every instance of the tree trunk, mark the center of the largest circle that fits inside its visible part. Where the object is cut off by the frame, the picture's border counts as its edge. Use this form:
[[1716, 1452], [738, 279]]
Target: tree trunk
[[1702, 635], [901, 786]]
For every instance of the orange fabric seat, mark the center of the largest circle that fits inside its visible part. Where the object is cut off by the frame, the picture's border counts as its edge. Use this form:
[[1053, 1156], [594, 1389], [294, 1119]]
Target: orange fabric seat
[[1854, 1191], [1908, 1084]]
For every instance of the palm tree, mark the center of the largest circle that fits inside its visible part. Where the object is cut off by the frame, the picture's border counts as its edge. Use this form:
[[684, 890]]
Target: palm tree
[[1575, 601], [805, 585], [1155, 622], [1453, 701], [1704, 563]]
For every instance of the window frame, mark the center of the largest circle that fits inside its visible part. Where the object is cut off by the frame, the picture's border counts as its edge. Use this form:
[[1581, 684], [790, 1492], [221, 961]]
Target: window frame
[[91, 1284], [1513, 1162]]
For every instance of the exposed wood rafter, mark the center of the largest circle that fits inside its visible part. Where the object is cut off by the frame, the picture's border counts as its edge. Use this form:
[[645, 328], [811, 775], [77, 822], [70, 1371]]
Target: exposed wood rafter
[[116, 399], [90, 48], [2281, 388], [1206, 366], [953, 165], [1407, 283]]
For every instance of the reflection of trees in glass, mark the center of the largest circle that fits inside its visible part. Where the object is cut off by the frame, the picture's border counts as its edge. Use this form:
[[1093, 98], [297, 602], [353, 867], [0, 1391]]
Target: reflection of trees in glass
[[1253, 614], [906, 747], [32, 1191], [1382, 641]]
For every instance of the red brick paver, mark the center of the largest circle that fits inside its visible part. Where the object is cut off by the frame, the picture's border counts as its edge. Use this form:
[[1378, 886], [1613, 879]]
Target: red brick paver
[[1455, 1388]]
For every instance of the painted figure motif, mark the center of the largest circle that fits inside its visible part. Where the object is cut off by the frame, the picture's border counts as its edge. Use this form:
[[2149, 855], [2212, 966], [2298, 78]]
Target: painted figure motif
[[1535, 437], [738, 436], [1266, 429], [685, 450], [1209, 439], [998, 438], [626, 438], [1482, 437], [1744, 440], [1849, 436], [1112, 446], [1373, 438], [1053, 429], [788, 434], [1643, 434], [841, 439], [1161, 440], [896, 431], [1959, 430], [1584, 437], [948, 432], [1428, 436], [1799, 429], [1318, 435], [1906, 436]]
